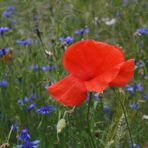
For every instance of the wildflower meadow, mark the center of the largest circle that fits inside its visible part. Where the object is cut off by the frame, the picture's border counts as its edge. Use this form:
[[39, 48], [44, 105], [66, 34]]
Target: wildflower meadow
[[73, 74]]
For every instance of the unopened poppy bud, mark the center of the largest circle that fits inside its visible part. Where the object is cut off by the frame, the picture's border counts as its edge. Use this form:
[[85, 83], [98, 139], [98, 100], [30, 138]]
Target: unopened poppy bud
[[61, 125]]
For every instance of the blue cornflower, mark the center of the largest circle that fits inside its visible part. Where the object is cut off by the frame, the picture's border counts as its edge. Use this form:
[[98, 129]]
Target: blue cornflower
[[3, 29], [4, 83], [124, 2], [139, 87], [7, 13], [10, 8], [134, 87], [46, 86], [24, 42], [24, 135], [31, 106], [51, 67], [45, 109], [20, 101], [140, 63], [134, 146], [48, 68], [34, 67], [142, 30], [4, 51], [44, 68], [82, 31], [130, 88], [33, 96], [134, 106], [106, 109], [35, 18], [14, 127], [67, 39], [26, 99], [29, 144], [145, 96]]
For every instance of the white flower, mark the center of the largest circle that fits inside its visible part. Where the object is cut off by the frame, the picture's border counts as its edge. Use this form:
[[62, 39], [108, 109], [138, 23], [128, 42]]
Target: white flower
[[110, 22], [145, 117]]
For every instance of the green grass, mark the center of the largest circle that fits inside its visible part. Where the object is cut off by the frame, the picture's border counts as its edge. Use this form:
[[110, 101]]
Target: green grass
[[61, 18]]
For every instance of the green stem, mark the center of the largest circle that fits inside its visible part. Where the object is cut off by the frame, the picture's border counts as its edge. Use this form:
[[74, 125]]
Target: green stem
[[88, 121], [40, 123], [40, 38], [9, 135], [126, 120]]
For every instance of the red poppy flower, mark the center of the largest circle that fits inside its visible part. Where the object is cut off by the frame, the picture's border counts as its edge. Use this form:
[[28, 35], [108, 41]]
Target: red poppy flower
[[93, 66]]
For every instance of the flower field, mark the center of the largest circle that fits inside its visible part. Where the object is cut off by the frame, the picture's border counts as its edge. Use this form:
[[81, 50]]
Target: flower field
[[73, 74]]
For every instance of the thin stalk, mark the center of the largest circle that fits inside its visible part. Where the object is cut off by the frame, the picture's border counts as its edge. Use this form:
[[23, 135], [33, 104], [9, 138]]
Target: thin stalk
[[88, 114], [126, 120], [9, 135], [40, 123], [40, 38]]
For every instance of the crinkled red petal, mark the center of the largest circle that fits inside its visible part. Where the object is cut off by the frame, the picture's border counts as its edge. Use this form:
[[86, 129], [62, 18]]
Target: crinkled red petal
[[87, 59], [102, 81], [70, 91], [125, 74]]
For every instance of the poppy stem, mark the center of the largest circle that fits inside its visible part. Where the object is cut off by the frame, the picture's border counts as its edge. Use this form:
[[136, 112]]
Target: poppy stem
[[88, 121], [126, 120]]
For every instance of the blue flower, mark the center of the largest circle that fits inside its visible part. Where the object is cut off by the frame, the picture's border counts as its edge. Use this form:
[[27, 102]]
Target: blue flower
[[34, 67], [4, 83], [139, 87], [4, 51], [134, 87], [44, 68], [7, 13], [106, 109], [134, 106], [26, 99], [10, 8], [145, 96], [45, 109], [31, 106], [3, 29], [24, 135], [46, 86], [14, 127], [142, 30], [29, 144], [20, 101], [135, 146], [140, 63], [82, 31], [124, 2], [33, 96], [48, 68], [67, 39], [130, 89], [24, 42]]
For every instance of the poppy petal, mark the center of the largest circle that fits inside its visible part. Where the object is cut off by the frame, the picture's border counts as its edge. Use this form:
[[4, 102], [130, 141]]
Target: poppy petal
[[125, 74], [70, 91], [87, 59], [101, 82]]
